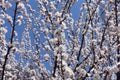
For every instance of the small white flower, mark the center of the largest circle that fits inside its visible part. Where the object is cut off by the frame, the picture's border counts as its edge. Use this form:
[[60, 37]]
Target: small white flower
[[3, 30], [33, 78], [64, 63], [58, 14], [46, 30], [52, 5], [76, 48], [114, 69], [62, 36], [68, 72], [102, 2], [19, 22], [3, 52], [29, 51], [10, 45], [69, 79], [43, 22], [102, 52], [94, 40], [111, 1], [84, 6], [65, 56], [47, 47], [118, 55], [118, 65], [32, 72], [2, 16], [7, 4], [45, 2], [15, 33], [46, 57], [8, 66], [9, 18], [22, 44], [82, 72], [2, 22], [21, 5], [43, 10], [15, 43], [62, 48], [20, 17], [63, 26], [52, 41], [29, 19], [96, 77]]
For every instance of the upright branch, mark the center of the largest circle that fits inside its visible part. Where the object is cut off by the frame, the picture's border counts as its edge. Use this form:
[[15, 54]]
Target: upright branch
[[11, 41]]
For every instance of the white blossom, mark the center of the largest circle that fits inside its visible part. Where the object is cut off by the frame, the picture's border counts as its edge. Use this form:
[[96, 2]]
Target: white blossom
[[84, 6], [68, 73], [62, 48], [7, 4], [33, 78], [64, 63], [46, 57], [20, 17], [19, 22], [21, 5], [52, 41], [50, 46], [76, 48], [65, 56], [82, 72], [2, 16], [3, 30], [96, 77], [47, 47], [8, 66], [58, 14], [63, 26], [9, 18], [10, 45], [52, 4]]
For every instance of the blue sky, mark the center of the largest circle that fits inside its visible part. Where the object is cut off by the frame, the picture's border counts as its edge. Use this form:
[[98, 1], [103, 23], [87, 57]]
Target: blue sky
[[75, 10]]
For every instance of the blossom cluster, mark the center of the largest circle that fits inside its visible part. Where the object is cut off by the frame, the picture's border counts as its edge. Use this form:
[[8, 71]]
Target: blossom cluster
[[45, 42]]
